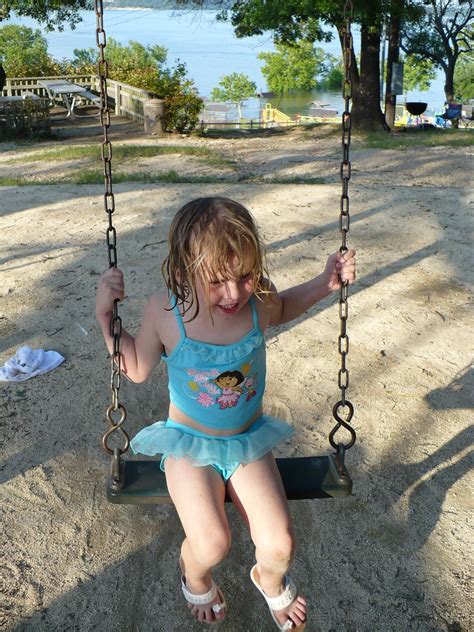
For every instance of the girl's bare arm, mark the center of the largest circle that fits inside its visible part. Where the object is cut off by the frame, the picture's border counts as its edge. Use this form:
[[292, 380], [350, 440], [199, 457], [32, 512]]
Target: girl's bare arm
[[291, 303], [141, 354]]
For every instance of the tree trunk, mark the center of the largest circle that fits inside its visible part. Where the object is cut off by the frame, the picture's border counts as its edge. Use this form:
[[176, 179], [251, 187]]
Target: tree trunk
[[392, 57], [449, 82], [449, 87], [366, 112]]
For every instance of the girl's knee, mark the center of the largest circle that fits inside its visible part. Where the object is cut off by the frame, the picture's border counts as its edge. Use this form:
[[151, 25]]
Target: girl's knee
[[211, 548], [278, 548]]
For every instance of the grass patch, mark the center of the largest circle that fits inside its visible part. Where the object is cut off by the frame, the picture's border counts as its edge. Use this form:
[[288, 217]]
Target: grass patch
[[97, 177], [169, 177], [14, 182], [415, 138], [294, 180], [232, 132], [122, 153]]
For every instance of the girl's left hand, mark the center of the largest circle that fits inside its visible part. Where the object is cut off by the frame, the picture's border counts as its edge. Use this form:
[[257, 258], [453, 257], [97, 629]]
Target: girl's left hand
[[339, 267]]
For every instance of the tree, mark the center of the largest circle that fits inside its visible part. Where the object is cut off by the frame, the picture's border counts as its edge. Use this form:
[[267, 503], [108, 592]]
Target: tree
[[52, 13], [299, 19], [332, 74], [292, 66], [134, 54], [463, 78], [24, 52], [396, 10], [418, 73], [234, 87], [144, 67], [122, 58], [441, 35]]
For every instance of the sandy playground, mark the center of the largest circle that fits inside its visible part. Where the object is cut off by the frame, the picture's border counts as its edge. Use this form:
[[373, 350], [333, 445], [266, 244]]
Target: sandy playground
[[396, 555]]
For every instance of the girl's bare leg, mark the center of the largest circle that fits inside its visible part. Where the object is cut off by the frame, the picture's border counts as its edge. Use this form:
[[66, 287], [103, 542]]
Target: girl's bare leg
[[198, 494], [257, 491]]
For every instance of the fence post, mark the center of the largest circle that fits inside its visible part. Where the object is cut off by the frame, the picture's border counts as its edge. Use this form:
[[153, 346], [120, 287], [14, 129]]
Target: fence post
[[117, 99], [9, 87]]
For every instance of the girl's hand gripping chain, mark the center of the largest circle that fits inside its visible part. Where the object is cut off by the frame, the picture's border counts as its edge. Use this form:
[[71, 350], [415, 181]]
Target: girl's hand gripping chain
[[340, 267], [111, 287]]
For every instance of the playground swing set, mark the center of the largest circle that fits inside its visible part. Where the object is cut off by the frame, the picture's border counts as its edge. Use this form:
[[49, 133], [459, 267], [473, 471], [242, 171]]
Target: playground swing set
[[141, 481]]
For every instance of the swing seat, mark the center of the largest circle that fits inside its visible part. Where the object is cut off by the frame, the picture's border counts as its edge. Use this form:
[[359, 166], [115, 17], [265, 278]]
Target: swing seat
[[143, 483]]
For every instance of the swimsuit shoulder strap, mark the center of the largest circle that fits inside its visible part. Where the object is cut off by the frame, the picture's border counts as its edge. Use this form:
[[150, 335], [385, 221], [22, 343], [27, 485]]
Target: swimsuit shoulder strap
[[179, 320], [254, 313]]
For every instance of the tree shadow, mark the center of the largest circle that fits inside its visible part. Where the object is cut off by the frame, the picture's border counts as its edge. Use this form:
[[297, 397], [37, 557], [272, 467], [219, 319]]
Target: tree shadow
[[457, 394], [427, 483], [49, 428]]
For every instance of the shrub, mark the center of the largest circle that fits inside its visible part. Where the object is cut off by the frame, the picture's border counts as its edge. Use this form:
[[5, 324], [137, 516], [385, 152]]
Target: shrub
[[143, 68]]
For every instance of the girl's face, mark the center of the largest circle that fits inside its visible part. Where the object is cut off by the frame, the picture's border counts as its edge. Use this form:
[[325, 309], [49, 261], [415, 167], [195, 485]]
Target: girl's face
[[228, 293]]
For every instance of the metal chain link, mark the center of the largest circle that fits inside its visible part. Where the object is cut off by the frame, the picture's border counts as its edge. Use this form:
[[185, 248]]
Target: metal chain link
[[116, 408], [343, 411]]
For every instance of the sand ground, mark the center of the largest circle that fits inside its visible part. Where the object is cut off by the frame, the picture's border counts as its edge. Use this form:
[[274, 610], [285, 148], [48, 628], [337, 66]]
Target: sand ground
[[395, 556]]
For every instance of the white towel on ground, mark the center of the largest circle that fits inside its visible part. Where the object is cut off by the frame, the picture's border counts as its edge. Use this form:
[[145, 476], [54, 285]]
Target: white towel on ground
[[27, 363]]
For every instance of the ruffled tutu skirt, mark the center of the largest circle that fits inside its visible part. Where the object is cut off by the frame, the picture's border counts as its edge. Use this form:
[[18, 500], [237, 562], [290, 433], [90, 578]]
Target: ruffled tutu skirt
[[169, 438]]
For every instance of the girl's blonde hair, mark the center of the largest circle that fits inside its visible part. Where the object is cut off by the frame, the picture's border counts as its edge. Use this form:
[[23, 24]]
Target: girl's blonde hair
[[212, 238]]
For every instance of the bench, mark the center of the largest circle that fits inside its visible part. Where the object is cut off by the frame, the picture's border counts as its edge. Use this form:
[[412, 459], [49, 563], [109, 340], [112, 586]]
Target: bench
[[30, 95], [87, 94]]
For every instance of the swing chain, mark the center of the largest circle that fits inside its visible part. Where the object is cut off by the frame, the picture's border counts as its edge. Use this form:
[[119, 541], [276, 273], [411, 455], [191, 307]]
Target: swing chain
[[344, 407], [111, 237]]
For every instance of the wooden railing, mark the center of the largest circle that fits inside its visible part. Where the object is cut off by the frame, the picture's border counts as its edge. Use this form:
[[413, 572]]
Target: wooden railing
[[17, 86], [127, 100]]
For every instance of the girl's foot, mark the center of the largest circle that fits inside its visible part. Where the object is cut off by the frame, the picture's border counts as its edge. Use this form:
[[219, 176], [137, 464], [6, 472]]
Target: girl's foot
[[207, 607], [288, 609]]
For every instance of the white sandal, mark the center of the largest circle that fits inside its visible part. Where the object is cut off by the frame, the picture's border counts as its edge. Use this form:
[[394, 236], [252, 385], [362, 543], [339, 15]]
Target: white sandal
[[282, 601], [205, 599]]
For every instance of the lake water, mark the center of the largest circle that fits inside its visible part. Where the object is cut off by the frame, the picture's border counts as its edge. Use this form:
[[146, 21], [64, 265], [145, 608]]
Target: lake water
[[209, 49]]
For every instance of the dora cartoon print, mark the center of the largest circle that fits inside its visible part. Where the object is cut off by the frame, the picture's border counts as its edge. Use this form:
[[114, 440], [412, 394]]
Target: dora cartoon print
[[229, 382], [229, 386]]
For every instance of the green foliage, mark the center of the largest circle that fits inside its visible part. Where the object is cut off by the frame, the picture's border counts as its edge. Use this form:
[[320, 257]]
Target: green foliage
[[418, 73], [134, 55], [52, 13], [182, 101], [234, 87], [122, 59], [143, 67], [290, 20], [464, 78], [332, 74], [292, 66], [85, 57], [27, 118], [24, 52], [441, 34]]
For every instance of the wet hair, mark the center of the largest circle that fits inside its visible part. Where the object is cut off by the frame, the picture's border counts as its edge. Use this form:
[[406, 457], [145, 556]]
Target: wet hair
[[211, 238]]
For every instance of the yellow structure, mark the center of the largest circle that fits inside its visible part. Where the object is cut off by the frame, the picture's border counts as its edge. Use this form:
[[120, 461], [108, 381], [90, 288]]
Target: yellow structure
[[272, 115]]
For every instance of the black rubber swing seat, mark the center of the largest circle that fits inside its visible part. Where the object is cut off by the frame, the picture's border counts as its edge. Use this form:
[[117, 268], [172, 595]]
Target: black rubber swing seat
[[143, 483]]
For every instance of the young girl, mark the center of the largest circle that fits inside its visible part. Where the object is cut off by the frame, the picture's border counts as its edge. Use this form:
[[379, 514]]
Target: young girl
[[208, 327]]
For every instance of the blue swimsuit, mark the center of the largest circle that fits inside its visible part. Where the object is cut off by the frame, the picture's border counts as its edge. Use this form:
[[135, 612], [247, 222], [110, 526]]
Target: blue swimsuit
[[220, 387]]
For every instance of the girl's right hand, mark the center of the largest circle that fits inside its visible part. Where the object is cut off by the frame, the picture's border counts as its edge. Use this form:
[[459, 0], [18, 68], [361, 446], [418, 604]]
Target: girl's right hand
[[110, 288]]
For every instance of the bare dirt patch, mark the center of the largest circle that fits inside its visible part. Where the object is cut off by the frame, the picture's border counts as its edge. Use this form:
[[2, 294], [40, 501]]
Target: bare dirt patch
[[294, 155], [392, 557]]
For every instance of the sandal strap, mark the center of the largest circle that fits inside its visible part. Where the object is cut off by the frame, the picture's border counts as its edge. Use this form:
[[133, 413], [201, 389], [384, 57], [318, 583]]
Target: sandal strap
[[286, 598], [198, 600]]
